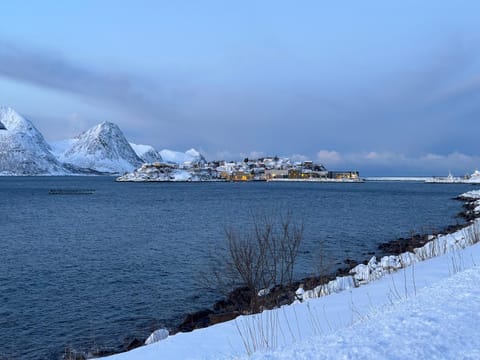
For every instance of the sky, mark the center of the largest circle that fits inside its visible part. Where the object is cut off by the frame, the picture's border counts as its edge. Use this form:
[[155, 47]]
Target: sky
[[385, 88]]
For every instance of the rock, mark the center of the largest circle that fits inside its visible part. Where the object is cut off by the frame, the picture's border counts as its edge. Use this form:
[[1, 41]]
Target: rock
[[71, 354], [197, 320], [100, 353], [241, 298], [352, 263], [222, 305], [133, 344], [219, 318]]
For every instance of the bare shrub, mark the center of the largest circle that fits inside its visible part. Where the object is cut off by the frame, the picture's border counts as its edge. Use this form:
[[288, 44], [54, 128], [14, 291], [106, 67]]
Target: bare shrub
[[264, 257]]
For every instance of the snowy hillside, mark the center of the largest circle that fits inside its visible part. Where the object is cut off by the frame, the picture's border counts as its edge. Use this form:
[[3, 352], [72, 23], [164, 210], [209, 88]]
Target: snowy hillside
[[425, 309], [190, 157], [147, 153], [23, 150], [102, 148]]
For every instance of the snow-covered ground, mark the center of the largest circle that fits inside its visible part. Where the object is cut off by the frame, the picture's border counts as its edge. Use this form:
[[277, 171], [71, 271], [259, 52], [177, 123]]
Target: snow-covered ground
[[427, 310], [440, 322]]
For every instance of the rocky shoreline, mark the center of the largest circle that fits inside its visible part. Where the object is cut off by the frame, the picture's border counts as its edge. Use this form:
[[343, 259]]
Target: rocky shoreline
[[238, 301]]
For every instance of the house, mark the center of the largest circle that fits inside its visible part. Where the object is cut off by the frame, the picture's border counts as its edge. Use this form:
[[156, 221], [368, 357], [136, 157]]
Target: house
[[241, 176], [343, 175], [276, 174]]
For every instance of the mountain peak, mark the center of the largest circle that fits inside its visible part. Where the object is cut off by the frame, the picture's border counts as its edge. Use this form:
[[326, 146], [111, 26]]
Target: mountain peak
[[6, 110], [108, 125], [103, 148], [104, 129], [12, 120]]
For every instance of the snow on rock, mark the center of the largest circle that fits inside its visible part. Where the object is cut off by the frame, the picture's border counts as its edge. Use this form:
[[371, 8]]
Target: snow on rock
[[23, 150], [190, 157], [158, 172], [157, 335], [299, 293], [365, 273], [471, 195], [265, 292], [339, 284], [147, 153], [102, 148]]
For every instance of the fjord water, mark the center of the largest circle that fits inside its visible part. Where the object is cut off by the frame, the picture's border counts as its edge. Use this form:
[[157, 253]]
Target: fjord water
[[91, 270]]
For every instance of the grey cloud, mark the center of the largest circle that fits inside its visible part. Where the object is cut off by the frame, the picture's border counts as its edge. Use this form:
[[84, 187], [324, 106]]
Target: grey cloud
[[50, 70]]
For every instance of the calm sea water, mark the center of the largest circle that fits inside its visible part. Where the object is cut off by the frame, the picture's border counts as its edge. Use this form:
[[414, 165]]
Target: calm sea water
[[91, 270]]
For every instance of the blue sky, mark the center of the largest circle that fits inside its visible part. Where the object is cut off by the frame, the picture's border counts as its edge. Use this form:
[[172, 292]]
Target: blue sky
[[381, 87]]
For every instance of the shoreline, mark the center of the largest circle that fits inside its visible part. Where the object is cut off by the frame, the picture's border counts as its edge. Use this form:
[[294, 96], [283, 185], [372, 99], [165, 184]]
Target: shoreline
[[318, 286]]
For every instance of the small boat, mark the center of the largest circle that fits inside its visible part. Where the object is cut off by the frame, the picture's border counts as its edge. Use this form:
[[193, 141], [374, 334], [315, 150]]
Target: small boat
[[71, 191]]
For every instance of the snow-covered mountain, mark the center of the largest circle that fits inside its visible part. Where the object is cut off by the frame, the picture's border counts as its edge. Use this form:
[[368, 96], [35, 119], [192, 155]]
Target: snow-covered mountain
[[147, 153], [102, 148], [23, 150], [191, 156]]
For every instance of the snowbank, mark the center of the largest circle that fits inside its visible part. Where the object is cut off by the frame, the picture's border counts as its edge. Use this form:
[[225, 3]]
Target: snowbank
[[440, 322], [421, 304]]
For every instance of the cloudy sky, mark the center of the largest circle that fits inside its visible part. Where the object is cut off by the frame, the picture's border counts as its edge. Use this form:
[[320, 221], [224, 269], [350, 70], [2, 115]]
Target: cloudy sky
[[383, 88]]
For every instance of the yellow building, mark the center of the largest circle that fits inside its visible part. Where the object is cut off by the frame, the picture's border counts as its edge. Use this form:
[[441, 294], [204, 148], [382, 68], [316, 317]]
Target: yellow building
[[241, 176]]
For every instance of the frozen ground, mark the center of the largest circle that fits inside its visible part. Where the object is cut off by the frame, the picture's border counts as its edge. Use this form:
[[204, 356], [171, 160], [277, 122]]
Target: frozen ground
[[428, 310]]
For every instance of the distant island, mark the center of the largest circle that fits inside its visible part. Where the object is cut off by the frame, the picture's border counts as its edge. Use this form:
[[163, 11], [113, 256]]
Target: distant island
[[262, 169]]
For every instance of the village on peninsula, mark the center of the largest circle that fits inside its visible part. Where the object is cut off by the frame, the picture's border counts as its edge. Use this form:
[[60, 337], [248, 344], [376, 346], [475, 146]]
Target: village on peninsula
[[262, 169]]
